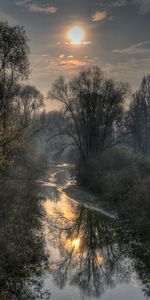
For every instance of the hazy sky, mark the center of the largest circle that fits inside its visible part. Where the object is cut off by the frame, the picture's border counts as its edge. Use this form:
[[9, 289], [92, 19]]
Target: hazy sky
[[117, 36]]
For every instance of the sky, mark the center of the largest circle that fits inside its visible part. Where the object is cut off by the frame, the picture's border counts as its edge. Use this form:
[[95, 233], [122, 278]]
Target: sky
[[116, 37]]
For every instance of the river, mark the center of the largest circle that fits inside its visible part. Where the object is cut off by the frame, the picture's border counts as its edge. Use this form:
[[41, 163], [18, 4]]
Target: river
[[54, 247]]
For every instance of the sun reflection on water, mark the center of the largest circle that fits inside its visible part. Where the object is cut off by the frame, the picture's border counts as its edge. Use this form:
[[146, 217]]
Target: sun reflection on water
[[100, 260], [76, 243]]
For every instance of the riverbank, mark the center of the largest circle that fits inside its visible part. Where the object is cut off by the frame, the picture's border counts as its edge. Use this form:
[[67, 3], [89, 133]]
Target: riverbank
[[114, 175], [117, 184], [33, 212], [90, 200], [22, 255], [79, 233]]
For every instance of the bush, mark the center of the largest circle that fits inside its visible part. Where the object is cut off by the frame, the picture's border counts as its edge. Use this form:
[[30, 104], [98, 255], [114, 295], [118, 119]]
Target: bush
[[114, 174]]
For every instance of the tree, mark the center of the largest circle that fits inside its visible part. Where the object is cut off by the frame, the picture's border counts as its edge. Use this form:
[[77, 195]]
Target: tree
[[24, 125], [14, 65], [30, 101], [25, 109], [92, 106], [139, 117]]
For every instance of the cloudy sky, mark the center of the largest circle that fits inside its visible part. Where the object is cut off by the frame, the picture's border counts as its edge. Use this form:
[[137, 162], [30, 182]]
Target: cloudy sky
[[117, 37]]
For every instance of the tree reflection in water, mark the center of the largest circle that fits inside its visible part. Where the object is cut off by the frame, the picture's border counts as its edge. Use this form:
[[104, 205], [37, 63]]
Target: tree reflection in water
[[91, 256], [97, 252], [133, 235], [22, 258]]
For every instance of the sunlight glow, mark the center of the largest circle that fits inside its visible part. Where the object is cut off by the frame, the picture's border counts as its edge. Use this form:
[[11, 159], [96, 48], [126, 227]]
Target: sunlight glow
[[76, 35], [76, 243], [100, 260]]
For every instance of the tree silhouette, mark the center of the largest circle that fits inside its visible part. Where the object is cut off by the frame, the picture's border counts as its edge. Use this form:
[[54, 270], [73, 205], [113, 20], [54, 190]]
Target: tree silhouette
[[138, 121], [92, 107]]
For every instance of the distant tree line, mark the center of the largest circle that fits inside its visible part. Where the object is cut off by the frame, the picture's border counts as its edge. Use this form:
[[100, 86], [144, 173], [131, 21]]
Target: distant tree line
[[92, 118]]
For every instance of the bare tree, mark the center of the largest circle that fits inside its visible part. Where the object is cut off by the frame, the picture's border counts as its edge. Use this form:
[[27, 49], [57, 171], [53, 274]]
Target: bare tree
[[139, 117], [92, 107], [29, 102]]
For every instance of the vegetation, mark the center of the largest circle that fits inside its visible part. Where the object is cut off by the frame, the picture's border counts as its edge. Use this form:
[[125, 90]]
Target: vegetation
[[116, 173], [111, 145], [22, 257], [93, 118], [101, 252], [111, 142], [20, 104], [138, 120], [93, 108]]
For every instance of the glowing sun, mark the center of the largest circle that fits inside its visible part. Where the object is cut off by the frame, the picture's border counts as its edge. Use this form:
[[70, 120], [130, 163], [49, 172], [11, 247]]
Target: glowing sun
[[76, 35]]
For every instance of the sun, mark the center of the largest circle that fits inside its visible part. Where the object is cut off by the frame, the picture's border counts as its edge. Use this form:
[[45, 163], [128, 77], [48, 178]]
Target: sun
[[76, 35]]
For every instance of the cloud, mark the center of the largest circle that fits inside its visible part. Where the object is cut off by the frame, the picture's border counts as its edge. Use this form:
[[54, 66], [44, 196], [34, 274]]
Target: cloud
[[44, 55], [49, 67], [99, 16], [119, 3], [45, 69], [140, 48], [46, 10], [84, 43], [73, 63], [43, 65], [36, 8], [109, 4], [131, 70], [143, 5]]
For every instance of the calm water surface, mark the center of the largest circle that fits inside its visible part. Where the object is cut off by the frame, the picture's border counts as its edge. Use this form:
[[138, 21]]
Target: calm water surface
[[91, 255], [53, 247]]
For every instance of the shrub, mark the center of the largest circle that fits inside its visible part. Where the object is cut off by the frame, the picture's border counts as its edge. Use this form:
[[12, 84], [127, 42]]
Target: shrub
[[114, 174]]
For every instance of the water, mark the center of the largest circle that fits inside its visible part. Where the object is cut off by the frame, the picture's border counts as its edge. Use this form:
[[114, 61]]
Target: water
[[56, 248]]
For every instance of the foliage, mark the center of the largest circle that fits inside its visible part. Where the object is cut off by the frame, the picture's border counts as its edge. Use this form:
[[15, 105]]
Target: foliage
[[19, 104], [93, 106], [114, 174], [22, 257], [138, 118]]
